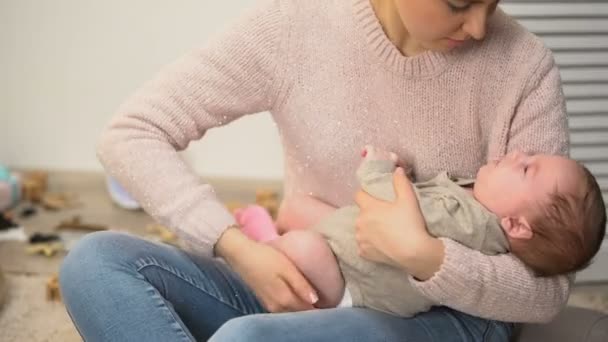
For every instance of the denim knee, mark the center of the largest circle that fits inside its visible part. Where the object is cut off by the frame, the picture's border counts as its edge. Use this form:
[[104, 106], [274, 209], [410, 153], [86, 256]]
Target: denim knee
[[86, 258]]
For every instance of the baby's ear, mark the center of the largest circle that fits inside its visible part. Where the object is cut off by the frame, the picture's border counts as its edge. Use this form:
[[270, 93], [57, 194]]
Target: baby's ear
[[517, 227]]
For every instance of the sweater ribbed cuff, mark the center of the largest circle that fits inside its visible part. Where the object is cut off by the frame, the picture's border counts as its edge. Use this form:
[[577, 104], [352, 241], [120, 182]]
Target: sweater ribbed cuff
[[201, 232]]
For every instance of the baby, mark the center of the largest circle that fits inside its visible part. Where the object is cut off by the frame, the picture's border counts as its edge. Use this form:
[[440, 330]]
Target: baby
[[546, 210]]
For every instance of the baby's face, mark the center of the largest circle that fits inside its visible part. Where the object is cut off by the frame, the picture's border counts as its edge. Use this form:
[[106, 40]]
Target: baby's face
[[519, 183]]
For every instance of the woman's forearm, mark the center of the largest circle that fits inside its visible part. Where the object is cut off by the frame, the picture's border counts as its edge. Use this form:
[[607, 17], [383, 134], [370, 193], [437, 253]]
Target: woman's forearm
[[496, 287], [426, 260]]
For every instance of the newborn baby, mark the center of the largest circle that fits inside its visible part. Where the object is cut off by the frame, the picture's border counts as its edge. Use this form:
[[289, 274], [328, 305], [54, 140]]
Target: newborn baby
[[546, 210]]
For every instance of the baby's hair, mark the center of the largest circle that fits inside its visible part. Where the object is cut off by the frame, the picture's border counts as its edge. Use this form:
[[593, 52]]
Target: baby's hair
[[568, 233]]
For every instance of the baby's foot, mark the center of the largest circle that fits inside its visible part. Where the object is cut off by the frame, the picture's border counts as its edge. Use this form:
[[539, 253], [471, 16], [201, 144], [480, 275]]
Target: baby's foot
[[256, 223], [373, 153]]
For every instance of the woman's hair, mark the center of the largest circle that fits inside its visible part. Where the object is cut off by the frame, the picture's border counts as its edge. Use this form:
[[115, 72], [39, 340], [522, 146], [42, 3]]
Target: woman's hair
[[568, 233]]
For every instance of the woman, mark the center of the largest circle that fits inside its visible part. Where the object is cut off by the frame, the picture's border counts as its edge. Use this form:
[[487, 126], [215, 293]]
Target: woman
[[447, 84]]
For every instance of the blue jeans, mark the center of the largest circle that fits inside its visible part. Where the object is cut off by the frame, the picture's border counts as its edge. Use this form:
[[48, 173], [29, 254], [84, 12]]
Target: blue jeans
[[118, 287]]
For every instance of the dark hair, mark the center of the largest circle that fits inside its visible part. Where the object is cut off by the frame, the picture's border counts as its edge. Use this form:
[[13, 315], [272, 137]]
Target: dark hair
[[568, 234]]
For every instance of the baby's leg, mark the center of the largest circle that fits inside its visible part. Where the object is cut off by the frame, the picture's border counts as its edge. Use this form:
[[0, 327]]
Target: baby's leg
[[309, 251], [301, 211], [305, 248]]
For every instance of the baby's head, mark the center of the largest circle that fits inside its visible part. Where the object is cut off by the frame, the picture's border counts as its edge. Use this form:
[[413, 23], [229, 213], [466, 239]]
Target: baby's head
[[551, 209]]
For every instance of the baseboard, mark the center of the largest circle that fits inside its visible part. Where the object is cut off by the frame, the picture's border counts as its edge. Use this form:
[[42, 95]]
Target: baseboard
[[598, 271]]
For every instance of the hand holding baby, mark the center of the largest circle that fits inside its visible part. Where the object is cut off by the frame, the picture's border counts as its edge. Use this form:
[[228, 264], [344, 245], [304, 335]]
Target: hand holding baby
[[392, 232]]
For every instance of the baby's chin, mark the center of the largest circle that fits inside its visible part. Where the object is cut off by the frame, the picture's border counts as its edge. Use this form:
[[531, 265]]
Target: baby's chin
[[482, 171]]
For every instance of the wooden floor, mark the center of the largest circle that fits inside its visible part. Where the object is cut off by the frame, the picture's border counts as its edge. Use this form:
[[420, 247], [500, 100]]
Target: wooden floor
[[28, 316]]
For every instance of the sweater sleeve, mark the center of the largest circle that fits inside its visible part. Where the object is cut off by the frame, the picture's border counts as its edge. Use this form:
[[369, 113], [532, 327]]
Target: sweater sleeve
[[496, 287], [502, 287], [232, 76]]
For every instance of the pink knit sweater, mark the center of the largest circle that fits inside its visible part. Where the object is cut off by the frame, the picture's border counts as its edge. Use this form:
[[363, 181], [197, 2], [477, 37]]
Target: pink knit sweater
[[333, 82]]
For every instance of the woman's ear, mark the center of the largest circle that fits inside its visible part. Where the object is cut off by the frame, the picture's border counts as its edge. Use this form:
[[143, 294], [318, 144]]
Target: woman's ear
[[517, 227]]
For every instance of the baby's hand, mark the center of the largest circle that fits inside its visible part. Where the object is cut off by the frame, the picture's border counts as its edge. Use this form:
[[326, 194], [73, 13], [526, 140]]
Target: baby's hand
[[373, 153]]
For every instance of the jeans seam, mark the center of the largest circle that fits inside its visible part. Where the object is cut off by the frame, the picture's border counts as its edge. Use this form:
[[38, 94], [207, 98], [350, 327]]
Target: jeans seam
[[181, 329], [151, 262]]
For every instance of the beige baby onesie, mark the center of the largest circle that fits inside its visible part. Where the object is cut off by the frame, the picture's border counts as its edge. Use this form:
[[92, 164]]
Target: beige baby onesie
[[449, 211]]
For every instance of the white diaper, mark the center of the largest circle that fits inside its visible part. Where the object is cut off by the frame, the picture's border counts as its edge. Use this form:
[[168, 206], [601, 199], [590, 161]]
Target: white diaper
[[347, 300]]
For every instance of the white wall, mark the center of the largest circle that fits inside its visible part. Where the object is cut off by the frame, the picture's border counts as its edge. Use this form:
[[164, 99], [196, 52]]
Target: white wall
[[66, 65]]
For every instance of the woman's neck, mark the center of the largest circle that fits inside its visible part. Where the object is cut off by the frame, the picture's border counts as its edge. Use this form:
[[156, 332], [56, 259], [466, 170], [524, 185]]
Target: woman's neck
[[393, 27]]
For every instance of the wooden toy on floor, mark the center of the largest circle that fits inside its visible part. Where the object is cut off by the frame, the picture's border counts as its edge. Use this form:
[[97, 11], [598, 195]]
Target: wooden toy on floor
[[34, 185], [233, 206], [268, 199], [46, 249], [76, 223], [6, 221], [57, 201], [52, 288]]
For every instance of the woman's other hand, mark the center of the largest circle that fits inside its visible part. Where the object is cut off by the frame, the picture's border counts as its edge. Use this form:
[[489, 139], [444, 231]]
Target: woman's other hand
[[274, 279]]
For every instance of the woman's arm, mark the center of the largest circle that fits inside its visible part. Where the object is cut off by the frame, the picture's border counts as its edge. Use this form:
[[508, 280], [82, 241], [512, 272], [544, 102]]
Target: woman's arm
[[233, 76], [493, 287], [501, 287]]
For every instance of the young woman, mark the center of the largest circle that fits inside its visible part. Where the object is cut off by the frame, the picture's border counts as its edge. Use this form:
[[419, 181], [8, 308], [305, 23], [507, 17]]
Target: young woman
[[446, 84]]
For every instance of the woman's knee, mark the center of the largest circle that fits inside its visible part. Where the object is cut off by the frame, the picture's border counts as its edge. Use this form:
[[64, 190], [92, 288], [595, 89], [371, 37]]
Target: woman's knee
[[90, 255]]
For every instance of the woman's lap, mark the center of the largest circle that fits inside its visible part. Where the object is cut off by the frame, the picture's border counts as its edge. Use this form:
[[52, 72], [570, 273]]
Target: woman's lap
[[119, 287], [439, 324]]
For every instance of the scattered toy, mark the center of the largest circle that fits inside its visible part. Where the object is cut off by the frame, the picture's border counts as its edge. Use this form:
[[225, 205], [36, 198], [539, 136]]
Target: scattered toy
[[233, 206], [46, 249], [6, 222], [52, 288], [34, 185], [76, 223], [268, 199], [57, 201], [120, 196], [28, 212], [42, 238], [10, 188], [9, 215]]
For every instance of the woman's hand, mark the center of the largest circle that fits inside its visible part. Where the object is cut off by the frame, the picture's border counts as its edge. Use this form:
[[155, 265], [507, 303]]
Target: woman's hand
[[274, 279], [395, 232]]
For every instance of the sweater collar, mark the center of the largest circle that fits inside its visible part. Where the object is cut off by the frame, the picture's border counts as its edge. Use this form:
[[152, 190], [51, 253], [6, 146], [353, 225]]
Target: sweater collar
[[426, 64]]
